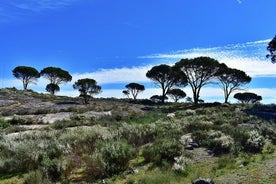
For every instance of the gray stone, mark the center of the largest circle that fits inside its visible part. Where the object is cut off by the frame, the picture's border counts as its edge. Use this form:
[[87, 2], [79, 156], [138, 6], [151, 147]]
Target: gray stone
[[203, 181]]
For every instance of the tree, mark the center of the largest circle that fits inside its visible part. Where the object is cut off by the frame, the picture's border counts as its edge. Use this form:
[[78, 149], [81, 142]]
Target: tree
[[158, 98], [272, 50], [87, 88], [176, 94], [199, 72], [26, 74], [248, 97], [165, 78], [135, 89], [126, 92], [231, 80], [56, 76], [52, 88]]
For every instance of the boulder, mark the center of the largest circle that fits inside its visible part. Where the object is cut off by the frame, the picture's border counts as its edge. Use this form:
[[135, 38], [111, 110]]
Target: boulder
[[203, 181], [193, 144]]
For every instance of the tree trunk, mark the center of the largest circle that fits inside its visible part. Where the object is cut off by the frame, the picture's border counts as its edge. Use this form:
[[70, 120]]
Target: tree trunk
[[226, 98], [163, 95], [25, 85]]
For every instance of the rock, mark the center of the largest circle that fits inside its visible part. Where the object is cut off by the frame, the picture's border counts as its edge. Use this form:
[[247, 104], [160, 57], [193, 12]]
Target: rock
[[203, 181], [193, 144], [188, 142], [189, 147]]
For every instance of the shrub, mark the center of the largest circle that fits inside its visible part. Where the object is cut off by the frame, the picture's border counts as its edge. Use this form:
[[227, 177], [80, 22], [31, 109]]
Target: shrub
[[201, 137], [268, 147], [255, 141], [116, 155], [181, 165], [4, 123], [18, 121], [162, 149], [219, 142], [95, 165], [29, 151]]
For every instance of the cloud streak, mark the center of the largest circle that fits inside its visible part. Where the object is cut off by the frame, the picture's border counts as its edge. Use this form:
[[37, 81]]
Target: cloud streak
[[117, 75], [249, 57], [239, 1], [16, 9], [40, 5]]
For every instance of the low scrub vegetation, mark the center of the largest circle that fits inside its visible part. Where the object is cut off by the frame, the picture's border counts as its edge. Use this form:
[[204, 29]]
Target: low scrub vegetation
[[129, 146]]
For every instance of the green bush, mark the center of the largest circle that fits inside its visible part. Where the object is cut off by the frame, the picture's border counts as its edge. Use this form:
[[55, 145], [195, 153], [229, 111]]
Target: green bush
[[162, 149], [255, 142], [116, 155], [182, 165], [4, 123], [29, 152], [220, 142], [268, 147]]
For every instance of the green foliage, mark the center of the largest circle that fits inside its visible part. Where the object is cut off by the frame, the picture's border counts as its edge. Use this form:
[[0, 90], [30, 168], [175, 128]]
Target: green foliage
[[55, 76], [255, 142], [248, 97], [165, 78], [272, 50], [226, 161], [87, 88], [176, 94], [117, 155], [162, 150], [35, 177], [92, 150], [268, 147], [26, 74], [198, 72], [219, 142], [135, 89], [182, 165], [4, 123], [156, 179], [52, 88], [231, 80]]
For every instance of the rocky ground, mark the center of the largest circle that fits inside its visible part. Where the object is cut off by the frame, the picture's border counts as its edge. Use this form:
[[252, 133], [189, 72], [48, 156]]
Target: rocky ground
[[47, 109]]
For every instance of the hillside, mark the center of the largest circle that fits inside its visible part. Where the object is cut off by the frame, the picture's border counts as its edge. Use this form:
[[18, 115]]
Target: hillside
[[54, 139]]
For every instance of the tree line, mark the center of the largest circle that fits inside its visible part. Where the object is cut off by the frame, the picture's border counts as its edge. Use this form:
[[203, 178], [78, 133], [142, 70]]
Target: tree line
[[56, 76], [197, 73]]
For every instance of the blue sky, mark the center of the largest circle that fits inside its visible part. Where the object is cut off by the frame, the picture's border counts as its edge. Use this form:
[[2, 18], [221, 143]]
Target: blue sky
[[116, 42]]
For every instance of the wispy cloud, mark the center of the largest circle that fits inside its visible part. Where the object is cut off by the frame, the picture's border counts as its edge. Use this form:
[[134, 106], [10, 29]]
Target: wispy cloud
[[14, 9], [239, 1], [40, 5], [117, 75], [249, 57]]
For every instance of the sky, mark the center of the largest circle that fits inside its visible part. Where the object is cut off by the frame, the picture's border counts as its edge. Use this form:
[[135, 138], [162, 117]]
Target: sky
[[117, 42]]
